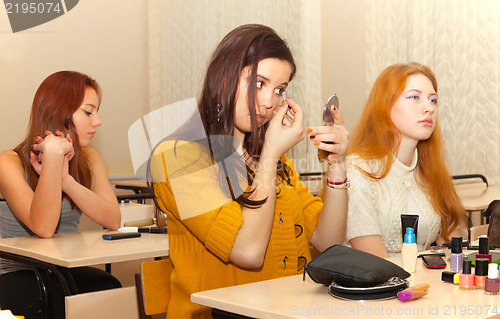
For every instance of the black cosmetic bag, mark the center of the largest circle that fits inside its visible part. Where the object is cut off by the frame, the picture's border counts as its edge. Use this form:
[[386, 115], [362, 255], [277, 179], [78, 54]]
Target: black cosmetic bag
[[354, 274]]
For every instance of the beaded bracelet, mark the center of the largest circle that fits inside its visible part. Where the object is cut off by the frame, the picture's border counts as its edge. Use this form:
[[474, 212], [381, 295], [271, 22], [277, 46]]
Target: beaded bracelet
[[338, 185]]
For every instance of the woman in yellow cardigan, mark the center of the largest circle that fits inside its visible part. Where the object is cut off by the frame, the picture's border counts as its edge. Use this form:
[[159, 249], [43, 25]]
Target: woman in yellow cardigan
[[227, 230]]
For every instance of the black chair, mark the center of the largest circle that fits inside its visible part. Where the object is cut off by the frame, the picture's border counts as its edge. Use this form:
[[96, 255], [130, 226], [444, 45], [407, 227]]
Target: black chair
[[140, 198], [471, 176]]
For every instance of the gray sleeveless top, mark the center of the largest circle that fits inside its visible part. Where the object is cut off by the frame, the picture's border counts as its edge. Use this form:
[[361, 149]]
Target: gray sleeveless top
[[11, 226]]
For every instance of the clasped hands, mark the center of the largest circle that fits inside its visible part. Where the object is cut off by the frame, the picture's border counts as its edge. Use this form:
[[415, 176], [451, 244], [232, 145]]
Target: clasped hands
[[52, 145]]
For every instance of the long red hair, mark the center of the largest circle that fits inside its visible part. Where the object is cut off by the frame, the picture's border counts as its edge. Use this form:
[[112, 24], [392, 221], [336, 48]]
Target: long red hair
[[377, 138], [58, 97]]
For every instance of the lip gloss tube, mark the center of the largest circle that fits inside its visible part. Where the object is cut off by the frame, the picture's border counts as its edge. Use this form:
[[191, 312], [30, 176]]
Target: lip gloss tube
[[466, 278], [484, 250], [492, 283], [481, 272], [457, 256]]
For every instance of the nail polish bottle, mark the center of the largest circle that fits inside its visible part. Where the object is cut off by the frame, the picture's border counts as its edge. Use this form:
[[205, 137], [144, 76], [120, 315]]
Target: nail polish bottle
[[481, 272], [466, 278], [484, 250], [451, 277], [457, 256], [492, 283]]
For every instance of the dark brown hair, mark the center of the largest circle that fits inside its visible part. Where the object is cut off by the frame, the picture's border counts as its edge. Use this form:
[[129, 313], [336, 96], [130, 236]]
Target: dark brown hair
[[245, 46]]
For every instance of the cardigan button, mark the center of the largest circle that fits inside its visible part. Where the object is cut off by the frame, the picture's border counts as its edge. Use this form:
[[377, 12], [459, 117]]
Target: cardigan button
[[408, 183]]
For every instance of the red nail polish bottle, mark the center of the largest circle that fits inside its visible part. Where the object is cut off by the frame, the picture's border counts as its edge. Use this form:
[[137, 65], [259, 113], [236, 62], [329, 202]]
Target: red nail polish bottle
[[484, 250]]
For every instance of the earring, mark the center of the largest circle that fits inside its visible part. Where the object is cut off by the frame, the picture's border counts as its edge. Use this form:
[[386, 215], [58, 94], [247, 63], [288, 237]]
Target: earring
[[219, 112]]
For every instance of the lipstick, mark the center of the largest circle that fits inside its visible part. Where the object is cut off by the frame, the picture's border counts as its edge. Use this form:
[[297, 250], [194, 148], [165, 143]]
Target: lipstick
[[420, 287], [407, 295]]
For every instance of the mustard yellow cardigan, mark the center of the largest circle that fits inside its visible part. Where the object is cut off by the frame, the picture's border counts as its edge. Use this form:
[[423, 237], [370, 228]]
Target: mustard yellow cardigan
[[200, 245]]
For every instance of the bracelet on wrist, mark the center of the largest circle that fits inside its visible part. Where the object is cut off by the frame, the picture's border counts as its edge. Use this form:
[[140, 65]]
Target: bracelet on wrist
[[338, 185]]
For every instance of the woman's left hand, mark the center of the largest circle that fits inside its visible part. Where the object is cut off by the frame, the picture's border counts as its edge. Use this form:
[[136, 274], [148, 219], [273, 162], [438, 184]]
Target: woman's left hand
[[332, 139], [285, 129]]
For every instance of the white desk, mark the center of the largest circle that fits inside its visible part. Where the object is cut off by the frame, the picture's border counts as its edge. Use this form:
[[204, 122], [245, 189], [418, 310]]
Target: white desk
[[290, 297], [476, 198], [86, 248]]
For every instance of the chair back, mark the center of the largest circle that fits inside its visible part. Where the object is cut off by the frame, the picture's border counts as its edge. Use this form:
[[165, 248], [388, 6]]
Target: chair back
[[153, 287]]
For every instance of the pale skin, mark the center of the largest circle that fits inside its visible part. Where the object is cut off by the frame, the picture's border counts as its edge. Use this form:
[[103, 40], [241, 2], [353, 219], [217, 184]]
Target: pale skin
[[40, 210], [282, 134], [415, 115]]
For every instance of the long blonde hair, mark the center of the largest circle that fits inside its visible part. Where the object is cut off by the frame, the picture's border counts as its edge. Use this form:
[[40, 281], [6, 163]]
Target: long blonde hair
[[377, 138]]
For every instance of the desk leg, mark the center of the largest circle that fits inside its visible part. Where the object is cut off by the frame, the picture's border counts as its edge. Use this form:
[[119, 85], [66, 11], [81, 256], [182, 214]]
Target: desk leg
[[476, 217]]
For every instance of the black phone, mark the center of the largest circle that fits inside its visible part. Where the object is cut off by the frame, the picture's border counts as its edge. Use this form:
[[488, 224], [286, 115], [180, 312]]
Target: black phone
[[433, 261], [328, 120], [115, 236]]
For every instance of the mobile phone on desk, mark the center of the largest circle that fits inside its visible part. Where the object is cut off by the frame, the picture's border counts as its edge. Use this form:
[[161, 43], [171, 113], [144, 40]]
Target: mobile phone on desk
[[328, 120], [115, 236], [433, 261]]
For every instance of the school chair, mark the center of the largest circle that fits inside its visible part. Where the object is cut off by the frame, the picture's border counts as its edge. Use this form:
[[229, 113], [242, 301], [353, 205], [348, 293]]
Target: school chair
[[153, 287]]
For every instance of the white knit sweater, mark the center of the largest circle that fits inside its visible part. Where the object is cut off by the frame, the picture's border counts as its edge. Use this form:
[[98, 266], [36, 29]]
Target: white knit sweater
[[375, 206]]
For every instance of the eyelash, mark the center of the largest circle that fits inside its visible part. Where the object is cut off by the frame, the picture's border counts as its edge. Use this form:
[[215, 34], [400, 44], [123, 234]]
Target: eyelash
[[416, 97], [278, 91]]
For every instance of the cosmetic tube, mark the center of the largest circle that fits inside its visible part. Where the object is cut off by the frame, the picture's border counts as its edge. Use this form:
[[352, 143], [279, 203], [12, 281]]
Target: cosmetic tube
[[457, 256], [481, 272], [484, 251], [492, 283], [407, 295], [451, 277], [409, 221], [466, 278], [409, 251]]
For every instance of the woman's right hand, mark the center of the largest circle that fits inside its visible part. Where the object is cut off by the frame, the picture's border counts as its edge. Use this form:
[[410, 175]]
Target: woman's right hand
[[57, 143], [285, 129], [52, 145]]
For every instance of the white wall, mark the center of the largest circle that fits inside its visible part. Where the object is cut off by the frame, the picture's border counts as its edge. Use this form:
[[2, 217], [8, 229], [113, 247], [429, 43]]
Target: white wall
[[108, 40], [343, 56]]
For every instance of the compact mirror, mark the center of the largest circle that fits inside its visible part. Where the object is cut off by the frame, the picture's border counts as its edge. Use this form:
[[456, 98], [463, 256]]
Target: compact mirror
[[327, 112], [328, 120]]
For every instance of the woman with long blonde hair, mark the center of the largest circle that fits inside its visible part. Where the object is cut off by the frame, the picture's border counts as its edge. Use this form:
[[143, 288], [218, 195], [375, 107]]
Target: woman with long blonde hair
[[396, 165]]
